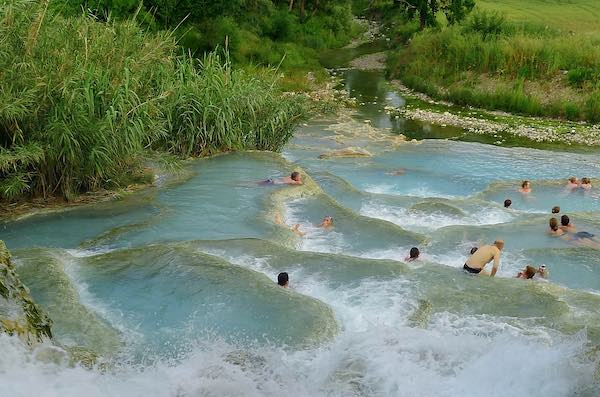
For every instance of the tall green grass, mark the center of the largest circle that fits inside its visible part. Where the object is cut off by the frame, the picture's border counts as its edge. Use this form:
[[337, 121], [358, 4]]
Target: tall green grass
[[487, 45], [82, 101]]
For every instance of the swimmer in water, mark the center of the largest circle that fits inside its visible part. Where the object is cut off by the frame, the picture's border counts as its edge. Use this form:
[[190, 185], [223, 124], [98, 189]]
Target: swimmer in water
[[556, 209], [572, 183], [327, 222], [525, 187], [484, 255], [586, 184], [554, 229], [527, 273], [507, 203], [413, 255], [566, 225], [283, 280], [294, 179], [542, 272]]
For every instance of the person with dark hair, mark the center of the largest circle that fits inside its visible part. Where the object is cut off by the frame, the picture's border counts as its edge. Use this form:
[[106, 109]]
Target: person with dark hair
[[484, 255], [413, 255], [556, 209], [554, 229], [586, 184], [525, 187], [566, 225], [507, 203], [473, 250], [283, 280], [527, 273]]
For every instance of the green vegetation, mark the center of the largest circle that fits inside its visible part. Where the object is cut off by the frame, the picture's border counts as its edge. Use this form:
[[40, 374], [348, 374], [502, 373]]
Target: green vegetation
[[82, 102], [257, 32], [566, 15], [493, 62]]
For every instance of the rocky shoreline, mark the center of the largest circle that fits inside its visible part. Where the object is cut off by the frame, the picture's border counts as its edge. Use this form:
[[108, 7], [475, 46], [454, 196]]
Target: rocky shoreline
[[478, 121]]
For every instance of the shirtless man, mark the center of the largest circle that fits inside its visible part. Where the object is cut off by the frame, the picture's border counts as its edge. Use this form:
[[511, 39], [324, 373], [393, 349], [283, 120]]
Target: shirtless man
[[484, 255], [566, 225]]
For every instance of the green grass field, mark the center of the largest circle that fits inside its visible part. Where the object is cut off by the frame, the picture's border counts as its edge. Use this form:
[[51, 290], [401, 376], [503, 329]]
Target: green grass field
[[566, 15]]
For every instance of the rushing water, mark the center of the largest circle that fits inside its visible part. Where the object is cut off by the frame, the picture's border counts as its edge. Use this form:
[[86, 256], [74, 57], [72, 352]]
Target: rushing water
[[174, 288]]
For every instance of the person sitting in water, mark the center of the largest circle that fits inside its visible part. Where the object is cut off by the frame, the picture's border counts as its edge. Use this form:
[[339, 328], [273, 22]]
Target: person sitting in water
[[527, 273], [484, 255], [572, 183], [327, 222], [294, 179], [566, 225], [556, 209], [554, 229], [413, 255], [542, 272], [507, 203], [586, 184], [283, 279], [473, 250], [525, 187]]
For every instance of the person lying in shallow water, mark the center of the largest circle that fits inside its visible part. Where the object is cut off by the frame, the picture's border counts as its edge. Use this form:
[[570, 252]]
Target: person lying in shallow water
[[327, 222], [294, 179], [484, 255]]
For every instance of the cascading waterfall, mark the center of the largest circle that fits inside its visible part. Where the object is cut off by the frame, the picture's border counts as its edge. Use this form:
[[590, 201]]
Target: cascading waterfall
[[174, 291]]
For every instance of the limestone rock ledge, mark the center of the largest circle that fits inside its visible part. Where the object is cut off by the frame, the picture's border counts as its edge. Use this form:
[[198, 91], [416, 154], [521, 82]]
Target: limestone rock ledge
[[19, 314]]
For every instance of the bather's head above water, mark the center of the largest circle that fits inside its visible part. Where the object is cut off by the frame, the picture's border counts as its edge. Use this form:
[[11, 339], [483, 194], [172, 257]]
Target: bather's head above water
[[413, 254], [586, 183], [525, 187], [527, 273], [554, 229], [556, 209], [283, 279], [296, 177], [499, 244], [507, 203]]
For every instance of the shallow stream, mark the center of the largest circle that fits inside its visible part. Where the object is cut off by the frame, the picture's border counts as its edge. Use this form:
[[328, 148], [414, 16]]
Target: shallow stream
[[175, 287]]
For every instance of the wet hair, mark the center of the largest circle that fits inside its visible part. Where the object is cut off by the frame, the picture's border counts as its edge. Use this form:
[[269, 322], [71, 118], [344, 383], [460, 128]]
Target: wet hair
[[553, 224], [507, 203], [295, 175], [585, 180], [414, 253], [524, 183], [283, 279], [573, 179], [530, 271], [555, 209], [474, 250], [564, 220]]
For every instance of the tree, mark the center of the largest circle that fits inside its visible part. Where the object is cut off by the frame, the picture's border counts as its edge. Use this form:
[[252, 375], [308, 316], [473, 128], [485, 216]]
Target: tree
[[455, 10]]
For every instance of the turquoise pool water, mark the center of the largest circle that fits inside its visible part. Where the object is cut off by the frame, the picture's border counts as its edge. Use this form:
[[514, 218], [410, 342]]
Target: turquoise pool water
[[175, 287]]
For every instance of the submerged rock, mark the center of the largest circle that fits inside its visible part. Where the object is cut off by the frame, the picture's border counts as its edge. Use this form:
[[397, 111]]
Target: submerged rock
[[19, 314], [346, 152]]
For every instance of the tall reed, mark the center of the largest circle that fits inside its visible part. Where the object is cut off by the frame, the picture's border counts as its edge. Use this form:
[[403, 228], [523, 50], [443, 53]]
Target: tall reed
[[81, 101]]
